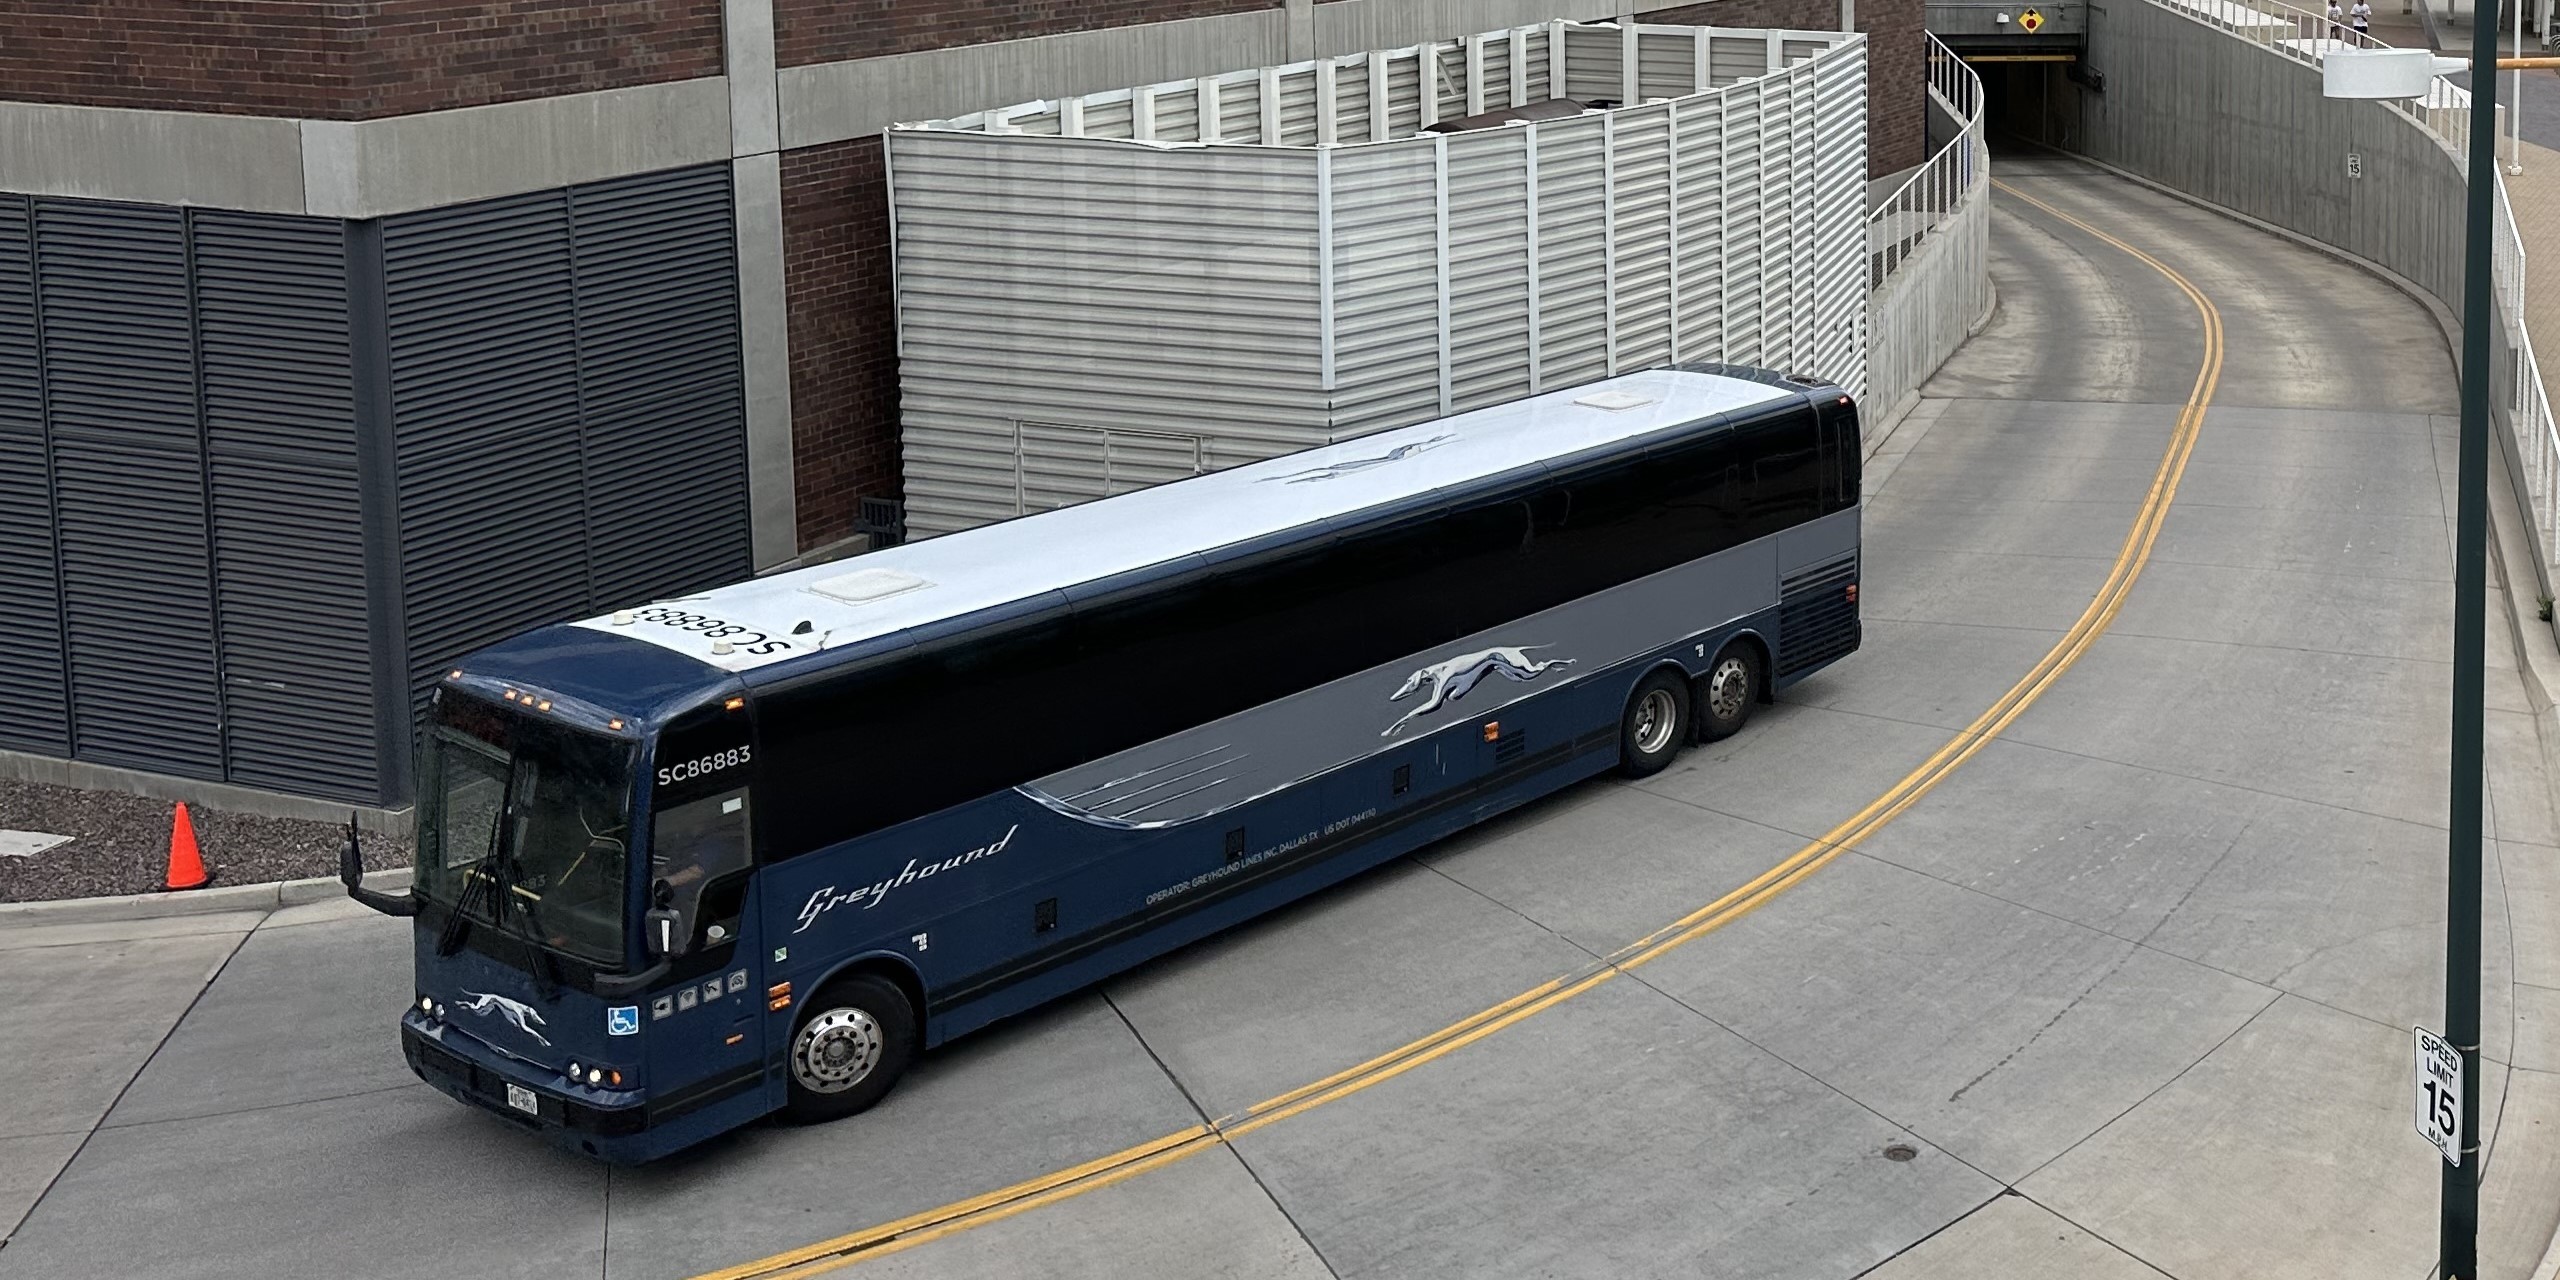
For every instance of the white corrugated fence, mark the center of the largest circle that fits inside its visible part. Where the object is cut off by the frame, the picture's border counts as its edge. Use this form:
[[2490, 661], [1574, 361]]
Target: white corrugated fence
[[1097, 293]]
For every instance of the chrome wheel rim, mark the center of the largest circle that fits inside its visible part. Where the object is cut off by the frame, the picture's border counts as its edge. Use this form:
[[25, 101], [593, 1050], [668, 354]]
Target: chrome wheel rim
[[1657, 715], [836, 1050], [1729, 689]]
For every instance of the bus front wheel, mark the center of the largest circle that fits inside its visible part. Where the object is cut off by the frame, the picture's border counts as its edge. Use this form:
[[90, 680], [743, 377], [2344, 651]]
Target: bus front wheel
[[852, 1042], [1655, 724]]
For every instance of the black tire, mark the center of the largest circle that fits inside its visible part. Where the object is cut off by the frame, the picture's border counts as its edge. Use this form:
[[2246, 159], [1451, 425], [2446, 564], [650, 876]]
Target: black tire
[[1655, 724], [853, 1017], [1728, 691]]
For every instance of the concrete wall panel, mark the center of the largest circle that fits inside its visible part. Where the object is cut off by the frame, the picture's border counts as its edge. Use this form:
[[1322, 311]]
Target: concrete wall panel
[[834, 101], [369, 169], [160, 157]]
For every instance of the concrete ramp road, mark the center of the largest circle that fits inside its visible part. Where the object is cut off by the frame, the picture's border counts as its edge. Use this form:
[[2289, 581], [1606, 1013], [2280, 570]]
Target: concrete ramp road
[[2073, 928]]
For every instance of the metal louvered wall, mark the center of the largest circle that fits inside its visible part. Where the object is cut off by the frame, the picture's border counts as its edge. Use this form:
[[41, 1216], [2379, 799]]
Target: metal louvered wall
[[128, 472], [288, 529], [1267, 261], [32, 681], [178, 496], [567, 406], [199, 509]]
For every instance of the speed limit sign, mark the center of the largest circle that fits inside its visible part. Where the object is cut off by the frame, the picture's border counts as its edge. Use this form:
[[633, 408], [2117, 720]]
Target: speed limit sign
[[2440, 1095]]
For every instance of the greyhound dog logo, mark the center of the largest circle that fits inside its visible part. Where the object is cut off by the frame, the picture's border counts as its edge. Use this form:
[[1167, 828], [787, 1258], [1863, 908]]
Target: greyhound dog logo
[[1449, 681], [517, 1013], [1339, 469]]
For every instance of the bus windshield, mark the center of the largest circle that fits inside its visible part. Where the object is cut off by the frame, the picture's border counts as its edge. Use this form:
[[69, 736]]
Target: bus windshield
[[524, 826]]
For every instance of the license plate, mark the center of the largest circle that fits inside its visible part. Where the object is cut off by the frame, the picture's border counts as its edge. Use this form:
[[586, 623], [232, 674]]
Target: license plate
[[522, 1099]]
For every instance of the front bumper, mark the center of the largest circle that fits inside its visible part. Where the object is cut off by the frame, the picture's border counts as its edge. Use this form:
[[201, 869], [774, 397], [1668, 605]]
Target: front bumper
[[625, 1126], [461, 1068]]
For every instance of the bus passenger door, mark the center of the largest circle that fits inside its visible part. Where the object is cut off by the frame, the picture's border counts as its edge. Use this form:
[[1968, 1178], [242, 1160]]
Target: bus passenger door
[[708, 1024]]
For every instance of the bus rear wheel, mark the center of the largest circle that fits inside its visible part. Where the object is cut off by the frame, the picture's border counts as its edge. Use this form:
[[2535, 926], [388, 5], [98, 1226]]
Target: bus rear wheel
[[1728, 690], [1655, 725], [852, 1042]]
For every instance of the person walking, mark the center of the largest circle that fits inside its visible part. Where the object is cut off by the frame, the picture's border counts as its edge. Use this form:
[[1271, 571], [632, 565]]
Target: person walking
[[2337, 30], [2361, 16]]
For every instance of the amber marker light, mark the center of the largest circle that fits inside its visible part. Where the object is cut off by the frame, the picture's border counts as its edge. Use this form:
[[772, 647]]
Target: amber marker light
[[1492, 730], [1853, 593], [733, 704]]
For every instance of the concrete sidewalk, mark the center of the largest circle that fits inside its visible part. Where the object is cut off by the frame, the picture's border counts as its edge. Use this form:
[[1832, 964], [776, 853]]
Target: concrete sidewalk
[[2535, 195]]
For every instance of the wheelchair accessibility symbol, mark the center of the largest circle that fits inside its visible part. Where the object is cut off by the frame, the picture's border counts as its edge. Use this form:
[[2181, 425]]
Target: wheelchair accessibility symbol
[[622, 1020]]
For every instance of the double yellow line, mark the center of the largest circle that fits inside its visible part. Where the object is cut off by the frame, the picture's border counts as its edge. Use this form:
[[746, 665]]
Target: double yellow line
[[933, 1224]]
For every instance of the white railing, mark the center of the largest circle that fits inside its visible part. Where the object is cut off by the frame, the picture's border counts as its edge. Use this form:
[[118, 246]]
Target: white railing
[[1929, 249], [2305, 37], [2536, 434]]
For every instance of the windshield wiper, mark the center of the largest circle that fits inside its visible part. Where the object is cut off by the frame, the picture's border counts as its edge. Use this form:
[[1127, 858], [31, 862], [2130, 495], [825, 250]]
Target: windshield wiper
[[458, 925], [544, 966]]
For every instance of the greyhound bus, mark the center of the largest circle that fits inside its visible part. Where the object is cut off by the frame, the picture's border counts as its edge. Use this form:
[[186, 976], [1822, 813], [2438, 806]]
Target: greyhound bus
[[750, 851]]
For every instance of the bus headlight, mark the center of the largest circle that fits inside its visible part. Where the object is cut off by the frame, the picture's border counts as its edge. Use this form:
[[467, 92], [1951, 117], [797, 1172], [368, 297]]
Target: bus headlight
[[573, 1072], [595, 1075], [426, 1004]]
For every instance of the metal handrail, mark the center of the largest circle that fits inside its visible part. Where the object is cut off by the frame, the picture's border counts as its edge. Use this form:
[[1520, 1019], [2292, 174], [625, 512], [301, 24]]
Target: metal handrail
[[1928, 246]]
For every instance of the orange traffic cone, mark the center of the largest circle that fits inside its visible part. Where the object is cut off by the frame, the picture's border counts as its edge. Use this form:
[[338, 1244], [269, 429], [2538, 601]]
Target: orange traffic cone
[[186, 864]]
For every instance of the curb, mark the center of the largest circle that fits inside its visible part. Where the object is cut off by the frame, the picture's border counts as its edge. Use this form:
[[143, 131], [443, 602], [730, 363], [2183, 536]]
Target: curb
[[1888, 424], [271, 896]]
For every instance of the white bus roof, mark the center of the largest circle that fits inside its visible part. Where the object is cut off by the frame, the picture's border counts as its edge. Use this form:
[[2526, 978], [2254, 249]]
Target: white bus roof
[[828, 606]]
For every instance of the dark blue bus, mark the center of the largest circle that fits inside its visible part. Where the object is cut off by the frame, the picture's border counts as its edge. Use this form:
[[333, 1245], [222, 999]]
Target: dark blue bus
[[750, 851]]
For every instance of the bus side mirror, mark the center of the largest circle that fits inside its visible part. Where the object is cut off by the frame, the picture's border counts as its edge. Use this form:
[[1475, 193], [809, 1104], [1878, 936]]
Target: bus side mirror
[[663, 940], [662, 922], [351, 875]]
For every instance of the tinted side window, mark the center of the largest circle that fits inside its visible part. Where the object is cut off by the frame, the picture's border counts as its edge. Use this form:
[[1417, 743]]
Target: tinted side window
[[1785, 480], [1473, 579], [819, 756], [1593, 530], [1424, 581], [1701, 481], [960, 715], [1842, 452], [1140, 662], [976, 711]]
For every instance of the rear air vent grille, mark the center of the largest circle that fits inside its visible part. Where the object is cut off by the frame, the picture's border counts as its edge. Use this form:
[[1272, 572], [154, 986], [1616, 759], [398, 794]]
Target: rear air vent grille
[[1817, 619]]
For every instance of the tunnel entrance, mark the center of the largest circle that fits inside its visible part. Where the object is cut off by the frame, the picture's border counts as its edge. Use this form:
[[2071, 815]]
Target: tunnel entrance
[[2027, 104]]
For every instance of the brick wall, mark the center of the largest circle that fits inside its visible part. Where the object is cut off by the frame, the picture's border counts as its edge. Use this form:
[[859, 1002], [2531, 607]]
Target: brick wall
[[1800, 15], [1897, 62], [806, 31], [844, 335], [1897, 84], [422, 55], [350, 59]]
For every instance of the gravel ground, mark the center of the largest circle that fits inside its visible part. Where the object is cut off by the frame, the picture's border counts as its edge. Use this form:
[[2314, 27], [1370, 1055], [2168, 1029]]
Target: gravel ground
[[120, 844]]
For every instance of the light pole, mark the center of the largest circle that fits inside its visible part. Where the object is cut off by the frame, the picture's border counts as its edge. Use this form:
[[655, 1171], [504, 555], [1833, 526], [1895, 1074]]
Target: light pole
[[2406, 73]]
